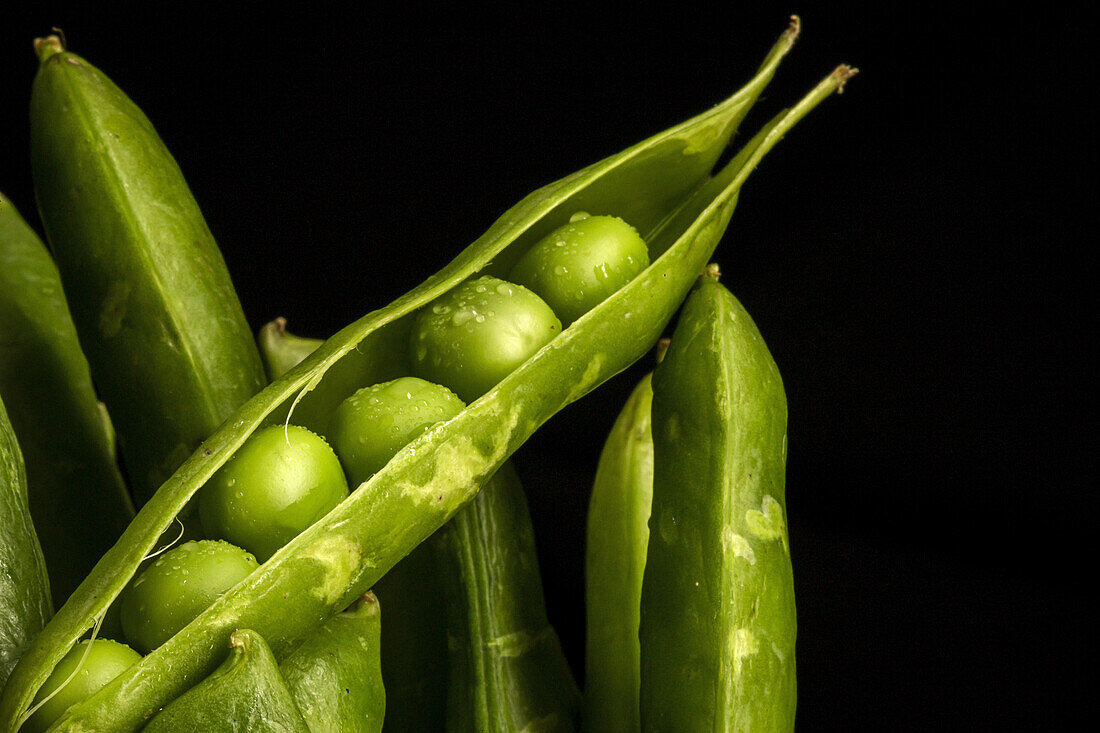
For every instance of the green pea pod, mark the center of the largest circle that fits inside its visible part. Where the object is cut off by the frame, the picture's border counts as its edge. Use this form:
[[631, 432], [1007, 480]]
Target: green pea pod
[[169, 347], [717, 615], [282, 351], [326, 567], [618, 532], [77, 497], [335, 674], [246, 693], [507, 668], [24, 589]]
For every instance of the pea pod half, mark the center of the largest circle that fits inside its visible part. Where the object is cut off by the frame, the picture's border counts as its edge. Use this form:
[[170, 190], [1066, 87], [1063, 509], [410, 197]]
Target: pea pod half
[[169, 347], [76, 493], [507, 668], [24, 589], [615, 549], [327, 566], [335, 674], [246, 693], [717, 613]]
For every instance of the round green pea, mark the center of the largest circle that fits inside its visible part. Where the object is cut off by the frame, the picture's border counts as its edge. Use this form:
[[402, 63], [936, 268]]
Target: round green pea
[[106, 660], [578, 265], [177, 587], [281, 481], [371, 426], [477, 333]]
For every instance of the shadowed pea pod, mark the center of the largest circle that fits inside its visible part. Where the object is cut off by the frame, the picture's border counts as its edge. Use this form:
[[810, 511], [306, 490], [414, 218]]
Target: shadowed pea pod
[[335, 675], [246, 693], [617, 534], [24, 589], [77, 497], [160, 323], [718, 595], [326, 567], [507, 668]]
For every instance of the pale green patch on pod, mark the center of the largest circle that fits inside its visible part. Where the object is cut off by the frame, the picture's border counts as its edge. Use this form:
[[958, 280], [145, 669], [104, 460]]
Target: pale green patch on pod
[[717, 606]]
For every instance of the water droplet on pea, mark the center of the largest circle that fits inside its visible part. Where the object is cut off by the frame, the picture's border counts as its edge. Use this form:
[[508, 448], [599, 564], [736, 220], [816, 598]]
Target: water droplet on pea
[[560, 270], [579, 216]]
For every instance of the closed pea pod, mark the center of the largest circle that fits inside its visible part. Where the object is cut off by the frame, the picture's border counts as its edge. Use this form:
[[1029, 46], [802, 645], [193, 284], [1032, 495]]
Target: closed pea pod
[[327, 566], [76, 494], [335, 675], [246, 693], [24, 589], [717, 603], [169, 348], [614, 559]]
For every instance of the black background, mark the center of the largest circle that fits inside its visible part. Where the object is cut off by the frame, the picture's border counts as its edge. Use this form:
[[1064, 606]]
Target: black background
[[912, 252]]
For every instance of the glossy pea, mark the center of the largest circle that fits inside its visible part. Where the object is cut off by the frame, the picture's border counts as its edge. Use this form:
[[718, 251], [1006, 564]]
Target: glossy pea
[[246, 693], [94, 667], [281, 481], [579, 264], [478, 333], [372, 425], [177, 587]]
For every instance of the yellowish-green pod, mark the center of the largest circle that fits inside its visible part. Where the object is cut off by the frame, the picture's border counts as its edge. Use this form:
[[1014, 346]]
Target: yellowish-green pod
[[335, 675], [663, 185], [77, 497], [245, 694], [717, 611], [615, 549], [170, 351]]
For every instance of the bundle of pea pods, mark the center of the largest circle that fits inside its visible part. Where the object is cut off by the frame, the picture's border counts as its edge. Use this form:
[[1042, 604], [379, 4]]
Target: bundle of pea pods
[[328, 535]]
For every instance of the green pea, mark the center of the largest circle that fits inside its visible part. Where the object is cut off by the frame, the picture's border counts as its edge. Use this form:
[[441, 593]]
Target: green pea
[[577, 266], [177, 587], [281, 481], [105, 660], [371, 426], [477, 333]]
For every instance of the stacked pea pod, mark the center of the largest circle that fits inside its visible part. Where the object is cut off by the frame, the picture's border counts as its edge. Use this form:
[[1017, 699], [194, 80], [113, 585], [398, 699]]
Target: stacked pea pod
[[264, 619]]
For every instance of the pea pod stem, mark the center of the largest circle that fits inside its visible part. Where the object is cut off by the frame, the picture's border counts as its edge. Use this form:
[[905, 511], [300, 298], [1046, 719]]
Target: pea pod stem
[[354, 545]]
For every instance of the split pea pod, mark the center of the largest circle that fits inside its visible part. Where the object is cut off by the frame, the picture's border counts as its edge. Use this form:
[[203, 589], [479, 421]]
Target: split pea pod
[[507, 668], [327, 566], [335, 675], [76, 493], [617, 535], [717, 612], [157, 316], [24, 589], [246, 693]]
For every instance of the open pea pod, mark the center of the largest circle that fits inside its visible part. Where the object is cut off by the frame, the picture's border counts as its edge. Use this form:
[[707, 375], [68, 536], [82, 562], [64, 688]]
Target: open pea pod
[[341, 556]]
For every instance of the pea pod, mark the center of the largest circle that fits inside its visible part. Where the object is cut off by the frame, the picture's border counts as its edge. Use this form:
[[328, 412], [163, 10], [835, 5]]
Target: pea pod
[[24, 589], [341, 556], [282, 351], [335, 674], [718, 595], [507, 668], [77, 497], [618, 532], [168, 344], [246, 693]]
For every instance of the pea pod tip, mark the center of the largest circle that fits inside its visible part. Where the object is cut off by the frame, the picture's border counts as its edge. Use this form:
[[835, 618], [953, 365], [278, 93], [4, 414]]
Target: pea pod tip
[[842, 74], [46, 47]]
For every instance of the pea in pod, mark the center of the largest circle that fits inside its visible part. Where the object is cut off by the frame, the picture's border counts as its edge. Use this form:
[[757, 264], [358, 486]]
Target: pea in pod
[[507, 668], [24, 589], [335, 675], [159, 321], [327, 566], [76, 493], [246, 693], [615, 550], [717, 611]]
